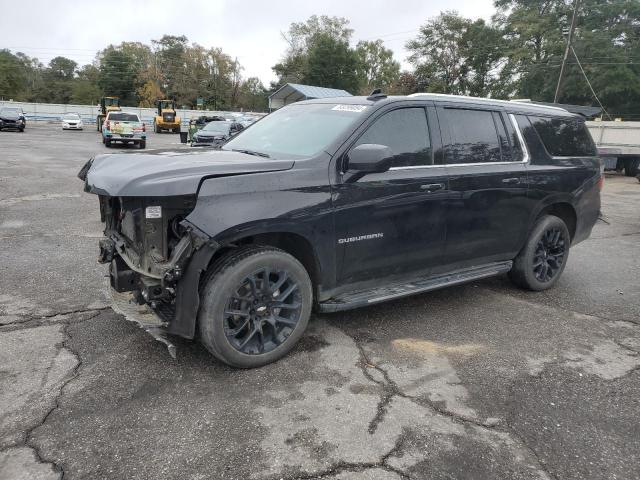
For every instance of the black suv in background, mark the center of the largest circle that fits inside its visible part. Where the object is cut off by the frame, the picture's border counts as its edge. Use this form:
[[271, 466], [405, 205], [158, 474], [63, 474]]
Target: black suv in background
[[12, 118], [341, 203]]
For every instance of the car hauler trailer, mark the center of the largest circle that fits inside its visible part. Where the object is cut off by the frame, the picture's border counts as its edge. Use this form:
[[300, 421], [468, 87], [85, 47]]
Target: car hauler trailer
[[618, 144]]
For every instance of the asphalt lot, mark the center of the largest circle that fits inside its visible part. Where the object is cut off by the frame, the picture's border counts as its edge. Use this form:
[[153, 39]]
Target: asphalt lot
[[481, 381]]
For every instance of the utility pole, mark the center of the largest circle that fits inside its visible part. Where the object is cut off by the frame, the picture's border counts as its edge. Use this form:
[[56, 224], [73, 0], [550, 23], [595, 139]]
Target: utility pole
[[567, 49]]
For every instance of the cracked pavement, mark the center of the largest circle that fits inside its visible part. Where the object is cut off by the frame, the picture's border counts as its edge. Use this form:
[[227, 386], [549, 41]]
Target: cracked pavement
[[476, 381]]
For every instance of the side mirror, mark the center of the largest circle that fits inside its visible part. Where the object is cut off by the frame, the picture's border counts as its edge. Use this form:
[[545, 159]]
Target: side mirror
[[370, 158]]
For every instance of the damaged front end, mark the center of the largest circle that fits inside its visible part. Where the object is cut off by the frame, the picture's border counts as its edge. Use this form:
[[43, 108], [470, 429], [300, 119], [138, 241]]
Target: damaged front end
[[155, 261]]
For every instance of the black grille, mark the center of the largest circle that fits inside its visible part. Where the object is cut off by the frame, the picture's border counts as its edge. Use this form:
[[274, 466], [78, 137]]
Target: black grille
[[168, 117]]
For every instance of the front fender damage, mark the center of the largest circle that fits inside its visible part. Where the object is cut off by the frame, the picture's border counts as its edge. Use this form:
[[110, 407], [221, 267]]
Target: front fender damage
[[164, 298]]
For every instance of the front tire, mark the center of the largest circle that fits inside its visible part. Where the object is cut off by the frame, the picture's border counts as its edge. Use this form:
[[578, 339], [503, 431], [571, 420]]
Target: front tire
[[540, 263], [143, 144], [255, 306]]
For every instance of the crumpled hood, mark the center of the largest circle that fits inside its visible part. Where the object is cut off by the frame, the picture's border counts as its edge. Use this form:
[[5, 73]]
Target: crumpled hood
[[167, 173]]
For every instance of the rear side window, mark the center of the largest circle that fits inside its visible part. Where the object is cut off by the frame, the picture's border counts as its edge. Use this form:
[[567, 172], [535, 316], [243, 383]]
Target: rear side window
[[474, 138], [406, 132], [564, 137]]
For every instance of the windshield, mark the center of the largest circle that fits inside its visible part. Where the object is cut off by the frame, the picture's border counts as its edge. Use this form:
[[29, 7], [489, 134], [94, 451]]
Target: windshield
[[297, 130], [123, 117], [219, 127], [71, 116], [15, 111]]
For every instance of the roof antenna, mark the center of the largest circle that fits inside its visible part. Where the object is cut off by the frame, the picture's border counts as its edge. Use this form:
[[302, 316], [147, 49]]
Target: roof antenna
[[376, 94]]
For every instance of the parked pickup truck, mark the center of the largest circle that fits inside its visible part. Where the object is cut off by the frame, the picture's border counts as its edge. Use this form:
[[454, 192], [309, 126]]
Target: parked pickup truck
[[123, 127], [618, 145]]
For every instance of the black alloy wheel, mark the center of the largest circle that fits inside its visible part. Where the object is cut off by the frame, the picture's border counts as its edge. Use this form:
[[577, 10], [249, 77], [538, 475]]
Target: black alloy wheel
[[549, 255], [544, 255], [255, 304], [263, 311]]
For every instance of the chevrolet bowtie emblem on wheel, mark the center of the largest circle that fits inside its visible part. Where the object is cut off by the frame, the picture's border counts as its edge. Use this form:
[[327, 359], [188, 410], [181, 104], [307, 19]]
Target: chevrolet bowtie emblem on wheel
[[360, 238]]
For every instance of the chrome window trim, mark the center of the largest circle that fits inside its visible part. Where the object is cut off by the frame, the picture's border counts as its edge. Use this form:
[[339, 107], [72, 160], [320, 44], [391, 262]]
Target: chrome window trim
[[525, 154]]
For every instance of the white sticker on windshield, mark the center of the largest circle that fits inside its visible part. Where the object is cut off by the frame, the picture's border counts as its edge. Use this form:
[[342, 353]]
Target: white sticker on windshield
[[350, 108], [153, 212]]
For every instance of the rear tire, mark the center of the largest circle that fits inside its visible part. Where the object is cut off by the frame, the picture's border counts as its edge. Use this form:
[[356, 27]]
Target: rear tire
[[268, 318], [540, 263], [631, 166]]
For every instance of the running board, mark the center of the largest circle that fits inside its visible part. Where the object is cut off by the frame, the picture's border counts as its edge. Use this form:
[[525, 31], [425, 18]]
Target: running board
[[362, 298]]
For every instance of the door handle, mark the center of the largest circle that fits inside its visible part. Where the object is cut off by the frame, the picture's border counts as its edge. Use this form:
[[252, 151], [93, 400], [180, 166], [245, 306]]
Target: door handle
[[432, 187], [511, 181]]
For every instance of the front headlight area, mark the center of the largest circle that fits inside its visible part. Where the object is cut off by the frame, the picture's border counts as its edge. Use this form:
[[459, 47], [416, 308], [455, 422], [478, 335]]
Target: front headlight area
[[146, 244]]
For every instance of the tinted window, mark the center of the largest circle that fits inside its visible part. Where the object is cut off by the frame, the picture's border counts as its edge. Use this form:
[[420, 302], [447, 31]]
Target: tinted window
[[564, 137], [474, 138], [406, 133]]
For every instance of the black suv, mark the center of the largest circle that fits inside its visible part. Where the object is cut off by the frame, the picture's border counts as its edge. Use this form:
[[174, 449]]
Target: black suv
[[341, 203]]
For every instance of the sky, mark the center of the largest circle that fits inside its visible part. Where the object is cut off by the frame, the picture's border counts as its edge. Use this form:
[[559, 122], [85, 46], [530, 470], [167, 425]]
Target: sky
[[250, 30]]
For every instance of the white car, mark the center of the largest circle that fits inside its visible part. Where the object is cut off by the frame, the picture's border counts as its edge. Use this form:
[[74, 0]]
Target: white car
[[71, 121]]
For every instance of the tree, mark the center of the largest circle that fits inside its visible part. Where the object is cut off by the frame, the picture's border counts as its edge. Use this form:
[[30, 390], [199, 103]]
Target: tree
[[118, 74], [436, 53], [318, 33], [377, 68], [58, 79], [606, 40], [12, 76], [406, 84], [170, 55], [483, 49], [148, 94], [253, 96], [331, 63]]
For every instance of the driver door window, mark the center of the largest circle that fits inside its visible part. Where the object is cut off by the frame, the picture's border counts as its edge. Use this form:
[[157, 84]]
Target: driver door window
[[406, 132]]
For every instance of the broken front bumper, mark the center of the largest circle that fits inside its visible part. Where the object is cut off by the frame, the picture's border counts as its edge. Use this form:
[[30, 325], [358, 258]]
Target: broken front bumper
[[124, 303], [164, 297]]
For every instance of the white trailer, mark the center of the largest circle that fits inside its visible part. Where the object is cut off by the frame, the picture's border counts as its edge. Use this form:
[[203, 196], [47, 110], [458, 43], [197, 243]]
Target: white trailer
[[618, 144]]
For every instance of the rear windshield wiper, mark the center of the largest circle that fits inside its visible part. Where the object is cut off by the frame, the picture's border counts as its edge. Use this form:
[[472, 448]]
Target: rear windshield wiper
[[251, 152]]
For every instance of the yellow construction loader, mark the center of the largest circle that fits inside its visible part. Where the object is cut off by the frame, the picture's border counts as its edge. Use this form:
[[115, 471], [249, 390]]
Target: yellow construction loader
[[107, 104], [167, 119]]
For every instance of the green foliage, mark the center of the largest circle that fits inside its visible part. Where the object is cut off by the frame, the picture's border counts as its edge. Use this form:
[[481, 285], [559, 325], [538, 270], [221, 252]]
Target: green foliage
[[12, 76], [377, 68], [118, 74], [320, 54], [606, 40], [331, 63], [456, 55]]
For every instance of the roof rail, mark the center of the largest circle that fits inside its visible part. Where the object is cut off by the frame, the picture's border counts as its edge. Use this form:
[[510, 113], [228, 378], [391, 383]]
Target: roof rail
[[376, 94], [481, 99]]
